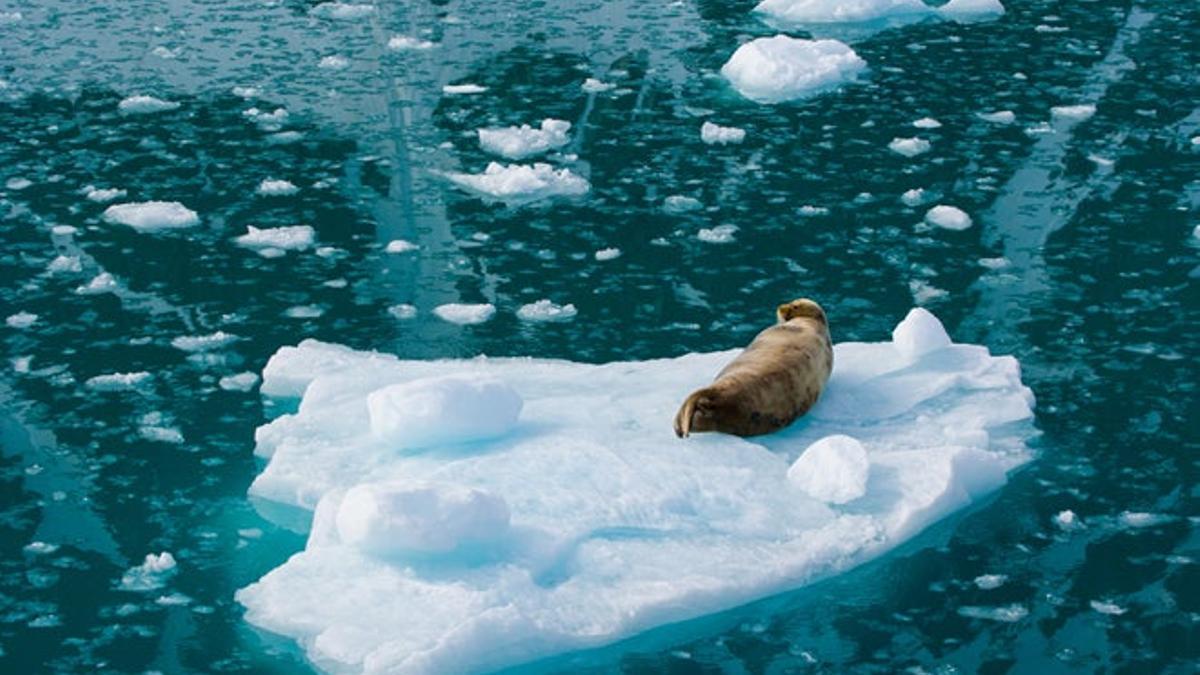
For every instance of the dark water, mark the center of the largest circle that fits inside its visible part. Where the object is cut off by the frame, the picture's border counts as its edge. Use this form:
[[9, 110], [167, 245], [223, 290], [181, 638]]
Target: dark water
[[1099, 297]]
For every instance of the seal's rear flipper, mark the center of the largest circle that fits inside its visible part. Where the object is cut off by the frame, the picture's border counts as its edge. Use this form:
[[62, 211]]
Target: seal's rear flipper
[[683, 418]]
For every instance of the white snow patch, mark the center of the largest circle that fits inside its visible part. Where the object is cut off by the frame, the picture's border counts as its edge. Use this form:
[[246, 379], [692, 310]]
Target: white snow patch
[[833, 470], [545, 310], [525, 141], [239, 382], [716, 134], [442, 411], [152, 216], [271, 187], [464, 314], [721, 234], [948, 217], [21, 320], [152, 574], [287, 238], [521, 183], [909, 147], [404, 517], [141, 105], [781, 68]]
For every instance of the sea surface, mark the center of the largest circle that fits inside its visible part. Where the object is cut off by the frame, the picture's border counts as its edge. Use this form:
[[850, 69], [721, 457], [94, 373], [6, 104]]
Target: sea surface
[[1083, 261]]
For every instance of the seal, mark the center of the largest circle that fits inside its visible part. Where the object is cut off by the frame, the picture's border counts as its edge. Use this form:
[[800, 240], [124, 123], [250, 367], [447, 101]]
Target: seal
[[778, 378]]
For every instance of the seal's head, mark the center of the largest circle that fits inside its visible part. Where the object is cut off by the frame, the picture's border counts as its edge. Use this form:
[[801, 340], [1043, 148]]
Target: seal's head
[[802, 308]]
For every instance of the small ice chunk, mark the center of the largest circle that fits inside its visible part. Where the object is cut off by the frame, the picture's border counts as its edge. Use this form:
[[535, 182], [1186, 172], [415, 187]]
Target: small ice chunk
[[1109, 608], [304, 312], [443, 411], [1007, 614], [833, 469], [525, 141], [152, 574], [456, 89], [287, 238], [405, 43], [781, 68], [909, 147], [334, 62], [161, 434], [203, 343], [988, 582], [104, 196], [64, 230], [721, 234], [913, 197], [810, 211], [605, 254], [716, 134], [464, 314], [21, 320], [949, 217], [400, 246], [152, 216], [245, 92], [401, 518], [521, 183], [1067, 521], [40, 548], [10, 17], [271, 187], [681, 204], [995, 263], [919, 334], [1142, 519], [118, 381], [17, 183], [999, 117], [341, 10], [545, 310], [594, 86], [100, 284], [838, 11], [927, 123], [967, 10], [239, 382], [65, 264], [141, 105], [1073, 113], [403, 311]]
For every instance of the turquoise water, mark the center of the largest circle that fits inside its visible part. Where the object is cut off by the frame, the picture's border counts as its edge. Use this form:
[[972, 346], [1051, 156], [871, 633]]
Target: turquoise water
[[1097, 294]]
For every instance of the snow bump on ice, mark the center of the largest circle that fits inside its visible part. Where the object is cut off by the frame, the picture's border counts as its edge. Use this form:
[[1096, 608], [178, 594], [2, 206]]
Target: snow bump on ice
[[152, 216], [576, 519], [782, 68], [525, 141]]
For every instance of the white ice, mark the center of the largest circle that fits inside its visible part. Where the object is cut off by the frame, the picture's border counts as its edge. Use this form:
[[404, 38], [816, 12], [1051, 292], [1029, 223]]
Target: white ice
[[833, 470], [152, 216], [593, 86], [716, 134], [103, 196], [999, 117], [606, 254], [546, 310], [589, 522], [839, 11], [119, 381], [406, 43], [721, 234], [525, 141], [342, 10], [140, 105], [681, 204], [521, 183], [465, 314], [286, 238], [151, 574], [271, 187], [970, 10], [439, 411], [949, 217], [920, 333], [458, 89], [913, 197], [909, 147], [400, 246], [927, 123], [203, 343], [1073, 113], [21, 320], [103, 282], [781, 68], [239, 382]]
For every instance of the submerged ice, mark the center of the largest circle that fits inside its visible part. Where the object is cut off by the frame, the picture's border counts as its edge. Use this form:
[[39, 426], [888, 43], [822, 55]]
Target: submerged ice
[[476, 514]]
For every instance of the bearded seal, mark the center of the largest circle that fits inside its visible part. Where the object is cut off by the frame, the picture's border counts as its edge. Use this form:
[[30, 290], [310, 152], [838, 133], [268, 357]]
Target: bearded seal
[[774, 381]]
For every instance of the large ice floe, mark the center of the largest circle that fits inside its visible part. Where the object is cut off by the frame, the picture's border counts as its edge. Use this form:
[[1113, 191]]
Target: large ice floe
[[781, 68], [521, 183], [476, 514]]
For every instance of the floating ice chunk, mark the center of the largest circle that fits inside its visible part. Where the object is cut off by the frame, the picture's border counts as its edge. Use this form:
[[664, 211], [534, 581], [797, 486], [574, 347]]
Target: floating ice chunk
[[100, 284], [161, 434], [119, 381], [151, 575], [970, 10], [521, 183], [398, 518], [287, 238], [924, 292], [545, 310], [10, 17], [1007, 614], [681, 204], [341, 10], [1073, 113], [809, 211], [995, 263], [65, 264], [64, 230], [267, 121], [839, 11], [334, 62], [606, 254], [1067, 521], [442, 411], [17, 183], [781, 68], [948, 217], [1109, 608], [21, 320], [909, 147], [1142, 519], [525, 141], [141, 105], [403, 311], [238, 382], [464, 315], [400, 246], [834, 470], [271, 187], [999, 117], [152, 216], [203, 343], [457, 89], [913, 197], [716, 134], [927, 123], [40, 548], [284, 137], [304, 311], [245, 92], [920, 333], [721, 234], [594, 86], [104, 196], [989, 582], [405, 43]]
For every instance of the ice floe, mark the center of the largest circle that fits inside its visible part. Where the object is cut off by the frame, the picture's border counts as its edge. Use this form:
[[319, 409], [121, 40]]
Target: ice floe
[[458, 89], [999, 117], [286, 238], [403, 311], [605, 254], [781, 68], [103, 196], [948, 217], [342, 10], [521, 183], [141, 105], [465, 314], [839, 11], [405, 43], [587, 521], [927, 123], [681, 204], [1073, 113], [152, 574], [271, 187], [333, 62], [715, 134], [593, 86], [525, 141], [909, 147], [721, 234], [400, 246], [971, 10], [546, 310], [21, 320], [65, 264], [17, 183], [203, 343], [103, 282], [152, 216], [239, 382], [913, 197], [119, 381]]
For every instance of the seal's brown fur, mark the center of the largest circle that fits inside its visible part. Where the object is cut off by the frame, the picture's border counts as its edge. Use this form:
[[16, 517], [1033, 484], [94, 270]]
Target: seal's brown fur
[[774, 381]]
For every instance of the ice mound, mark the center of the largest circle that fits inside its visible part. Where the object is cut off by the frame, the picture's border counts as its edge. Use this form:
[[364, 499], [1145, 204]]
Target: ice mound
[[525, 141], [588, 521], [521, 183], [781, 68], [919, 334], [839, 11], [834, 470], [442, 411], [152, 216]]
